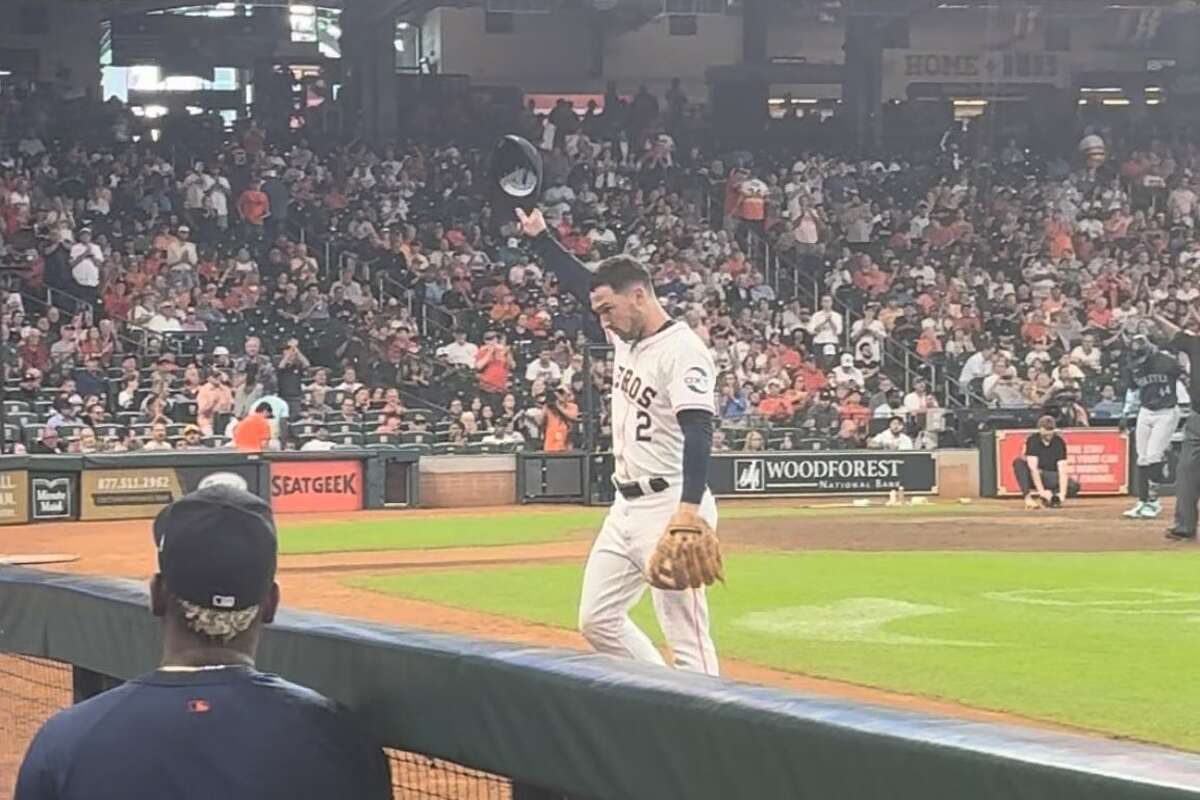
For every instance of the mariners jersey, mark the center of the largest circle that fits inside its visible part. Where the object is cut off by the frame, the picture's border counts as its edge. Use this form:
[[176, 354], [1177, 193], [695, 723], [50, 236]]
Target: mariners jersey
[[653, 380], [1153, 381]]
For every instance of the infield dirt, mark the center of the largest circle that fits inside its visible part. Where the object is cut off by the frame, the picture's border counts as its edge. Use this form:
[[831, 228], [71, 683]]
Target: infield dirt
[[122, 549]]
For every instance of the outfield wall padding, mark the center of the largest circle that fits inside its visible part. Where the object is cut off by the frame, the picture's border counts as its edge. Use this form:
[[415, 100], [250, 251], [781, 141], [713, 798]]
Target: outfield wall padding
[[592, 726]]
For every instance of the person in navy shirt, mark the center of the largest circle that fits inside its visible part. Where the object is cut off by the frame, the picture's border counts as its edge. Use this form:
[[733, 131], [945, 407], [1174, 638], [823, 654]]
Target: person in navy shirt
[[206, 724]]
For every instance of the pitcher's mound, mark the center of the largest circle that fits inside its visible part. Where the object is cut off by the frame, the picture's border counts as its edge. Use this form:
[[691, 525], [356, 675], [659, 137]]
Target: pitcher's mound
[[30, 559]]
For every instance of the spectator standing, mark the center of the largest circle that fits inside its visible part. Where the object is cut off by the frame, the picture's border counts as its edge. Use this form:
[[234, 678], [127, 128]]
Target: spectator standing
[[825, 327], [290, 376], [494, 363], [266, 737], [213, 398], [248, 388], [278, 201], [254, 207], [86, 258], [253, 354], [561, 415]]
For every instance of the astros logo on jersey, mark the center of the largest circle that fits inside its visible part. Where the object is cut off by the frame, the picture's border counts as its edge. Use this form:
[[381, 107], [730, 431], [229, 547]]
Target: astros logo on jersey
[[631, 386]]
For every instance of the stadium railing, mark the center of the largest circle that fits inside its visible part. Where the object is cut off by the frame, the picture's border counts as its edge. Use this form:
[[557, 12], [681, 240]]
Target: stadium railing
[[475, 719]]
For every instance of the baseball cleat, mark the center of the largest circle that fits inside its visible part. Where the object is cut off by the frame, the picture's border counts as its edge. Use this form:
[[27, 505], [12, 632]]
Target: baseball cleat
[[1150, 510], [1178, 536], [1136, 511]]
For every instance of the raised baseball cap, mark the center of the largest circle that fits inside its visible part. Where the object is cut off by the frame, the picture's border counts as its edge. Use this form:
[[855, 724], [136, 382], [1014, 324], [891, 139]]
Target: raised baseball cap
[[217, 548]]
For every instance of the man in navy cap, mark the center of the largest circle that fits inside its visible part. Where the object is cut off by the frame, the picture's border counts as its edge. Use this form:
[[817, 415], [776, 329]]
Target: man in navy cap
[[206, 724]]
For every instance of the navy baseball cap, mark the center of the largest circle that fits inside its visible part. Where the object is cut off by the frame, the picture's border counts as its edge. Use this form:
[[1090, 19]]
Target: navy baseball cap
[[217, 548]]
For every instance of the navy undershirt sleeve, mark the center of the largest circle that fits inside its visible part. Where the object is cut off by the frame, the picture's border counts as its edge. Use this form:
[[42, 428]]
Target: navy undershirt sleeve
[[572, 274], [697, 428]]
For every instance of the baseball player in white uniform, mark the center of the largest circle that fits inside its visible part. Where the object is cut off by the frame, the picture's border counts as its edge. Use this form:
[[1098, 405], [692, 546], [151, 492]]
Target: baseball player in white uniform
[[1152, 391], [662, 420]]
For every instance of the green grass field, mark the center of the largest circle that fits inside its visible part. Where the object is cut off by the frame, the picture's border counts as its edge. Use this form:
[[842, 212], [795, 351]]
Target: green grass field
[[423, 532], [1105, 641], [430, 532]]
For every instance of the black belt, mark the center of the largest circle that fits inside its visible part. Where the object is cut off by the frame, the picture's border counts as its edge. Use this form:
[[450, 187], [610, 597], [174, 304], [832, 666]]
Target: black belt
[[632, 491]]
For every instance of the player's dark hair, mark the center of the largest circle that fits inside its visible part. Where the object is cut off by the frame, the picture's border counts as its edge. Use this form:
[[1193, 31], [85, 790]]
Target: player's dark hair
[[620, 273]]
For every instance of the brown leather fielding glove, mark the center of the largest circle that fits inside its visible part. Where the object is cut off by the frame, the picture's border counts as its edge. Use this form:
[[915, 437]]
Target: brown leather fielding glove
[[687, 556]]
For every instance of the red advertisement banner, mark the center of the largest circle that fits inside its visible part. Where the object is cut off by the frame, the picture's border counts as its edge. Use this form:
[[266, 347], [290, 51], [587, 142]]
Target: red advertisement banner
[[298, 486], [1099, 459]]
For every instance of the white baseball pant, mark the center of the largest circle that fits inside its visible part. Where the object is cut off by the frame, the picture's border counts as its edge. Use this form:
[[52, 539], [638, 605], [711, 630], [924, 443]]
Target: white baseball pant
[[1153, 435], [614, 580]]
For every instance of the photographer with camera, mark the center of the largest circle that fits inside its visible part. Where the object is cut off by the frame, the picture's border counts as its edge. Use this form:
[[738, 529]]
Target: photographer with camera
[[1007, 391], [1063, 404], [559, 414]]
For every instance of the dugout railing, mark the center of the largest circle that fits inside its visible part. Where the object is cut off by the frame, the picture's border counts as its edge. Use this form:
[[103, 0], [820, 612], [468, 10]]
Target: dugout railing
[[475, 719]]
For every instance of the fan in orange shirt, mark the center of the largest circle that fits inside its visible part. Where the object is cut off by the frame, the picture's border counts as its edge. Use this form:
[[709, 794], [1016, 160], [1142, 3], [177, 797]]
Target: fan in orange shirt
[[1100, 315], [252, 434], [775, 405], [254, 205], [1058, 238], [1035, 329], [505, 309], [853, 410]]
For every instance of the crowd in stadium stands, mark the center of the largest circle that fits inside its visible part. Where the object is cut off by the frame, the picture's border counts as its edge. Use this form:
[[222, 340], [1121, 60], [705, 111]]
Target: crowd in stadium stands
[[334, 294]]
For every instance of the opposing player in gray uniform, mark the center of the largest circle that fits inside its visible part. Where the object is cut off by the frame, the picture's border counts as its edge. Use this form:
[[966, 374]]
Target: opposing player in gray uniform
[[1152, 381]]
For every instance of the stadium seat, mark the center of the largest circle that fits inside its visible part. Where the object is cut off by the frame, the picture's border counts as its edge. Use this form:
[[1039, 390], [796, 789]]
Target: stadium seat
[[25, 419], [383, 438], [417, 437]]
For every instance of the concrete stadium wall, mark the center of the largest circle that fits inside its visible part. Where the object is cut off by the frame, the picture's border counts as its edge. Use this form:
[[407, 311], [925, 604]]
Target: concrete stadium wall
[[548, 53], [450, 481], [69, 53], [958, 473], [453, 481]]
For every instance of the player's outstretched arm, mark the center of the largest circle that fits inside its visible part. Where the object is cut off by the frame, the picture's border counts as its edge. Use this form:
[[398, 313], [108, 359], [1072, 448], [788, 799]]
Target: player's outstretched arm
[[572, 274]]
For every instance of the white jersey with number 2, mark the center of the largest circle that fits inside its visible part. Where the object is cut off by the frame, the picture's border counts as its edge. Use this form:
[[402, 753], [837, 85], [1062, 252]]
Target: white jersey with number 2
[[653, 380]]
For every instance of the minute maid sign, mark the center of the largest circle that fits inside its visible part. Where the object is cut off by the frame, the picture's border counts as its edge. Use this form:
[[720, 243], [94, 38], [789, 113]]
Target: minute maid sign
[[53, 497], [816, 473]]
